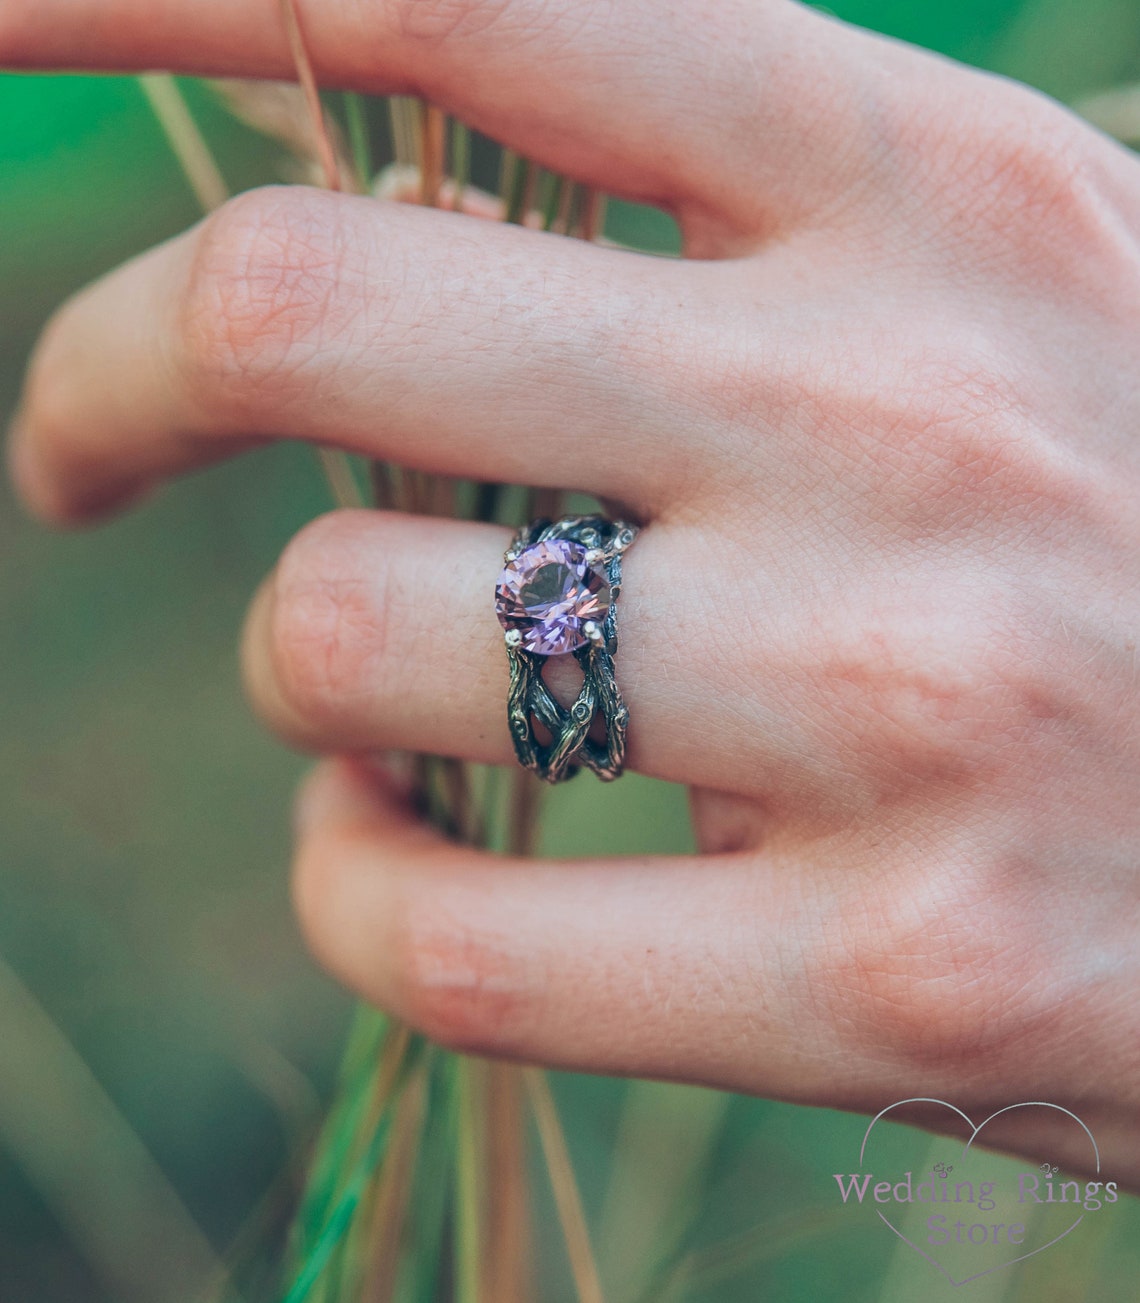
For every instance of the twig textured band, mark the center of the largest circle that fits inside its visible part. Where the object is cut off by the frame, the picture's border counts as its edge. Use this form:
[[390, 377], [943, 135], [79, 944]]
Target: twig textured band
[[558, 594]]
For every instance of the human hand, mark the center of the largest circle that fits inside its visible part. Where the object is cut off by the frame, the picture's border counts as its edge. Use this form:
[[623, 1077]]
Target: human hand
[[881, 431]]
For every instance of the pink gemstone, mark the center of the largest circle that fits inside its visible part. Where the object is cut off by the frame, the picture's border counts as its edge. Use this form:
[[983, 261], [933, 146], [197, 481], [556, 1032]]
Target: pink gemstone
[[548, 593]]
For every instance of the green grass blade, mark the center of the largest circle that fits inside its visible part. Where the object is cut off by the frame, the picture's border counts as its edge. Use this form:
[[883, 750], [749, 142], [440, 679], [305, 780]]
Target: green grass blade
[[518, 187], [369, 1034], [359, 140], [460, 160], [567, 1198], [342, 1214], [420, 1271], [665, 1143], [467, 1229], [551, 199]]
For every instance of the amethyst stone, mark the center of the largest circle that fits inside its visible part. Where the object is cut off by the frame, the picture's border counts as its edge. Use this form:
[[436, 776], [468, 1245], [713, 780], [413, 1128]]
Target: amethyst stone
[[548, 593]]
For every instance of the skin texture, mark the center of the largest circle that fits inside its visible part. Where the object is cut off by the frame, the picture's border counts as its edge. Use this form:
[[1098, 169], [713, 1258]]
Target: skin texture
[[881, 432]]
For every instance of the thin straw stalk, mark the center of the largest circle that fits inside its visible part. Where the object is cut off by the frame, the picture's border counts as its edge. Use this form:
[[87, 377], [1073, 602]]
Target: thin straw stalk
[[299, 53], [205, 180], [185, 140], [565, 1187]]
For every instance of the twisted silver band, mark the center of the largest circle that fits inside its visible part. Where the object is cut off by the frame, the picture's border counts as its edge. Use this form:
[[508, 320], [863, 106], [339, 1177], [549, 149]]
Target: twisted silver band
[[596, 555]]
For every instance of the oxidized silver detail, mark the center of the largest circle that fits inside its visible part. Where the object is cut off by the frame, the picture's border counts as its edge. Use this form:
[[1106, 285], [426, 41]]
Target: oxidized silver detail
[[530, 700]]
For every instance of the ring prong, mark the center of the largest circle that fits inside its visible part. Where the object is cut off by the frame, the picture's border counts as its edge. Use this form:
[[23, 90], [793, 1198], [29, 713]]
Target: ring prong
[[595, 556], [513, 638], [593, 630]]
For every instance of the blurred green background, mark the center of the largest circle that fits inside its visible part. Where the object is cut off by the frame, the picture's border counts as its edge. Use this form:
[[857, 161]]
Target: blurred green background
[[166, 1043]]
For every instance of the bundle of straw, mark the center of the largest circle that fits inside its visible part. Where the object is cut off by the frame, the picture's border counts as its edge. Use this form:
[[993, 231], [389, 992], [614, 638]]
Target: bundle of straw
[[417, 1186]]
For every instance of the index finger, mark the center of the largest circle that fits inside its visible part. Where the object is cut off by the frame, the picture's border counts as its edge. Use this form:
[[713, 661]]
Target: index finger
[[713, 111]]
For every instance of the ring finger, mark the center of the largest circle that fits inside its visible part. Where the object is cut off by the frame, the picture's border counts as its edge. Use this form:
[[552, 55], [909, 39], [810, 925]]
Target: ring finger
[[376, 630]]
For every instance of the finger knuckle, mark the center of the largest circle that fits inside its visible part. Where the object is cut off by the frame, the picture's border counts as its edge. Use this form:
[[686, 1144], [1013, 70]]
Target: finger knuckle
[[935, 692], [434, 21], [1026, 177], [914, 709], [940, 971], [260, 298], [329, 629], [970, 445], [456, 979]]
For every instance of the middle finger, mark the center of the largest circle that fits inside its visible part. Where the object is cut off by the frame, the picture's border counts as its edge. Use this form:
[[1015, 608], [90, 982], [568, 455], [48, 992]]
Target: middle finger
[[433, 339]]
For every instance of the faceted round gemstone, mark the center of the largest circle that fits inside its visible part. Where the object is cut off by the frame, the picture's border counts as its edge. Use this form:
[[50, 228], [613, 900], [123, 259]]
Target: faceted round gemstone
[[548, 593]]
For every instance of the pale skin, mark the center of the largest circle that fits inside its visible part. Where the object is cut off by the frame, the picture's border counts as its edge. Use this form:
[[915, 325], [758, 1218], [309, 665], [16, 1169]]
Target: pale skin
[[882, 431]]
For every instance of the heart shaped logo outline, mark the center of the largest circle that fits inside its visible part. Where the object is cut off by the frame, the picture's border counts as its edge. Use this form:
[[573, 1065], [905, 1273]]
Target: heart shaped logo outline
[[1037, 1103]]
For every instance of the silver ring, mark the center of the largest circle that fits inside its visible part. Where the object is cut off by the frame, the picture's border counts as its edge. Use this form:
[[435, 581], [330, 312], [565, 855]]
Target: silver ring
[[557, 595]]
